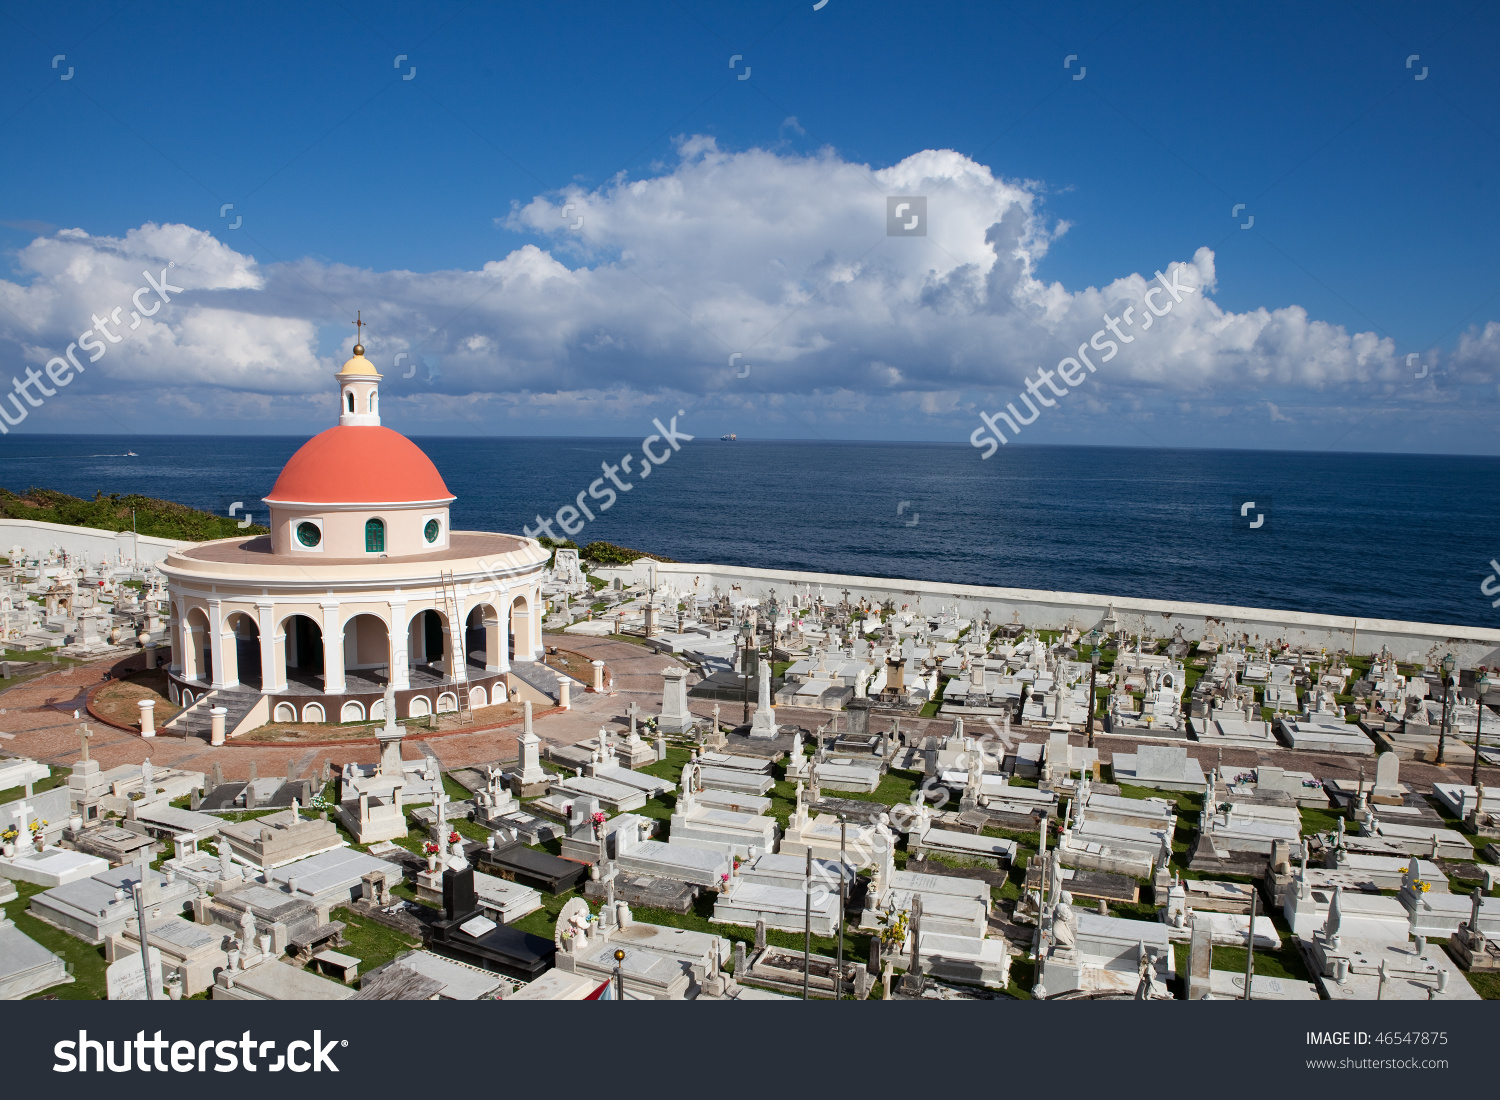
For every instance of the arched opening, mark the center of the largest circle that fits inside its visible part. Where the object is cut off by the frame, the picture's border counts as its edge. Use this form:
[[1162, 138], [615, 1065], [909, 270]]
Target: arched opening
[[374, 536], [304, 653], [478, 698], [284, 712], [419, 706], [313, 712], [483, 640], [352, 712], [197, 657], [349, 395], [246, 649], [474, 633], [447, 702], [367, 654], [427, 646]]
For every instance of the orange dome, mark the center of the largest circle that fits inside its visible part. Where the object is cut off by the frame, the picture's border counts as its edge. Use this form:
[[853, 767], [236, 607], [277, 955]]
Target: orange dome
[[359, 465]]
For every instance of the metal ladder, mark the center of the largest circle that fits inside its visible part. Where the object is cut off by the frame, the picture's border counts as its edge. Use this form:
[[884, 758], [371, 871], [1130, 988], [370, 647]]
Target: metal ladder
[[458, 652]]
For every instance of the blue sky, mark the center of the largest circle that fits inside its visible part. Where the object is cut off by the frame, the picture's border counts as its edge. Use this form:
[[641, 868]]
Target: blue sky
[[1372, 193]]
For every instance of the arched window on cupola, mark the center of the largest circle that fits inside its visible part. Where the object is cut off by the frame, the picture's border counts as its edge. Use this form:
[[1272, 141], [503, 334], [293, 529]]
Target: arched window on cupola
[[374, 536], [350, 396], [370, 404]]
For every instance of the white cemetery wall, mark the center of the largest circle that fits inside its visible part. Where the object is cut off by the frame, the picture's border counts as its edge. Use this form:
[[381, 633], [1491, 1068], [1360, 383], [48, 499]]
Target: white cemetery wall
[[38, 538]]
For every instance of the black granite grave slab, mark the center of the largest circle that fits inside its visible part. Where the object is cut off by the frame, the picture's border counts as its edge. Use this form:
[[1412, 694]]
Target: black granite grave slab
[[300, 789], [222, 797], [501, 949], [518, 863]]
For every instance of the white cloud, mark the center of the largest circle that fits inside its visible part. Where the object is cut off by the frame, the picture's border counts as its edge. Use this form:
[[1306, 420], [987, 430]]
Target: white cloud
[[782, 258]]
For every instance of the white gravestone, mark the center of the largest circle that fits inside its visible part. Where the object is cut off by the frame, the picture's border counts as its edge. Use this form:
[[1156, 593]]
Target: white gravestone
[[675, 716], [124, 980]]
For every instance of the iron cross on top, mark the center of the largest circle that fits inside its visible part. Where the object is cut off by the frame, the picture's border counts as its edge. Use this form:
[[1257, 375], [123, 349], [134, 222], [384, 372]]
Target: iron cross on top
[[359, 327]]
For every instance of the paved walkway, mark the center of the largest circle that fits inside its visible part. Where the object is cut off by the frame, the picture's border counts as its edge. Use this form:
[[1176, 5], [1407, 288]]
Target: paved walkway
[[37, 720]]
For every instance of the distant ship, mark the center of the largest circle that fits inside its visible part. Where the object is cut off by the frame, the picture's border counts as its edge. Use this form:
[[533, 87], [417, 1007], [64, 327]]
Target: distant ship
[[730, 438], [130, 454]]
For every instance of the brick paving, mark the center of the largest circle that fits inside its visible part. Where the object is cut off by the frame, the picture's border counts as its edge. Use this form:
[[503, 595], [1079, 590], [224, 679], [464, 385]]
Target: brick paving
[[36, 718]]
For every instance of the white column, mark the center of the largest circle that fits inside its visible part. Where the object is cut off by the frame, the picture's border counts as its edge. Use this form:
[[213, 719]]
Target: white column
[[400, 632], [216, 642], [270, 667], [333, 651], [148, 717]]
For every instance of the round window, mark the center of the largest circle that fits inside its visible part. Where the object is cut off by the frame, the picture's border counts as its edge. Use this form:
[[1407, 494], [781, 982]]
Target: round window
[[432, 530], [308, 534]]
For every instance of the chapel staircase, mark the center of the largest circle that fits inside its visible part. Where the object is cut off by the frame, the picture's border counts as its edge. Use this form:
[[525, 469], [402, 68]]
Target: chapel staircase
[[196, 721]]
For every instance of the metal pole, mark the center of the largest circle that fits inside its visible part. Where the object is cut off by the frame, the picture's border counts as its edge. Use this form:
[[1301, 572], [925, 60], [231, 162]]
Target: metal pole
[[140, 917], [1443, 727], [745, 673], [1093, 675], [839, 973], [619, 974], [1250, 944], [1478, 724], [807, 925]]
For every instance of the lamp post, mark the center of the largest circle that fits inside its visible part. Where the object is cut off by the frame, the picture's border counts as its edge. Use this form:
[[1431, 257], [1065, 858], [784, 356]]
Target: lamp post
[[1093, 675], [1481, 685], [838, 972], [619, 974], [1447, 680], [747, 633]]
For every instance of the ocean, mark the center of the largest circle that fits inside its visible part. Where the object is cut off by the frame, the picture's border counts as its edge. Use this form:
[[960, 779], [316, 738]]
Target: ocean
[[1386, 536]]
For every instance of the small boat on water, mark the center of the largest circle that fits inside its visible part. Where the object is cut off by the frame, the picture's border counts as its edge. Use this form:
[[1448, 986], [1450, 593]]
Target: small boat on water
[[130, 454], [730, 438]]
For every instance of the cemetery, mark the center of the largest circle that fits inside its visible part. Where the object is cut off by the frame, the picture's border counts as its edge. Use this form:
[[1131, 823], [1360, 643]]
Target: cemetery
[[888, 801]]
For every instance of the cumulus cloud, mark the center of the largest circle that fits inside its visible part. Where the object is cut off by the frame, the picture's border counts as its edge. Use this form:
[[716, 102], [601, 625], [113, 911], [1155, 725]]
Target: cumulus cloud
[[641, 290]]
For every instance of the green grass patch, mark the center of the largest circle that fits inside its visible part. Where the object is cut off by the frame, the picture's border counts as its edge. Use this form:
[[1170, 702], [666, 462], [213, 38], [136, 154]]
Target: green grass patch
[[85, 960], [58, 776], [373, 944], [112, 512]]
